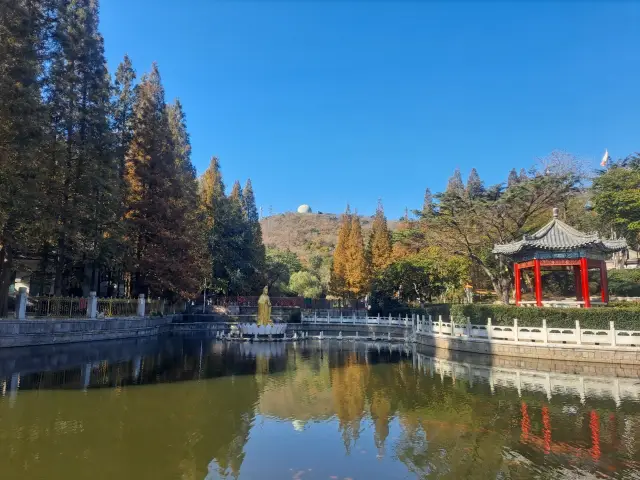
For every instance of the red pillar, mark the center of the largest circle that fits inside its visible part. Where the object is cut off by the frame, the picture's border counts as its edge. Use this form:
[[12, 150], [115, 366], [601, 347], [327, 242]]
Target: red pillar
[[584, 271], [604, 282], [516, 275], [538, 280], [578, 282]]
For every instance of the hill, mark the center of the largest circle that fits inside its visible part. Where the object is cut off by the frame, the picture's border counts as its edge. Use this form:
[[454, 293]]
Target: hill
[[307, 234]]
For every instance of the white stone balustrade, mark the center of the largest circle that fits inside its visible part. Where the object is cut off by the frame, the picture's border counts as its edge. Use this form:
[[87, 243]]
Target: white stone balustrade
[[517, 333], [252, 329]]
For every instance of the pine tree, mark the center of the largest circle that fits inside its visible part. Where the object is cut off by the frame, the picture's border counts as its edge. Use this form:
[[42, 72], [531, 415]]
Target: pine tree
[[513, 178], [475, 188], [379, 247], [357, 273], [455, 182], [22, 126], [124, 99], [338, 279]]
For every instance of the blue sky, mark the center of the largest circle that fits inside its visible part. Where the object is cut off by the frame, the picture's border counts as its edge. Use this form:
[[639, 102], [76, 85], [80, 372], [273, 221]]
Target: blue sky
[[329, 102]]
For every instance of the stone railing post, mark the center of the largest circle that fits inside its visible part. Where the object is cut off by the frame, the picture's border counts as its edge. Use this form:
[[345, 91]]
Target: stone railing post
[[515, 329], [578, 333], [21, 304], [545, 332], [612, 330], [489, 327], [440, 324], [453, 326], [469, 331], [141, 305], [430, 325], [390, 319], [92, 305]]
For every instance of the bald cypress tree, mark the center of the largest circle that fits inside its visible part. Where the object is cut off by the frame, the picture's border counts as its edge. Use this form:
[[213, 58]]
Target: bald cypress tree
[[379, 247], [357, 272], [149, 176], [123, 101], [338, 279], [22, 128], [83, 174]]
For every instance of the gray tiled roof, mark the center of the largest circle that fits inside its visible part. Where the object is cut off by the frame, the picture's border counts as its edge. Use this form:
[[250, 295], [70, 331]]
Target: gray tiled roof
[[557, 235]]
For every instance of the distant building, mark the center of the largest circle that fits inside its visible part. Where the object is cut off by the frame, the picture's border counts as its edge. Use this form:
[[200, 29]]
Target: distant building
[[304, 208]]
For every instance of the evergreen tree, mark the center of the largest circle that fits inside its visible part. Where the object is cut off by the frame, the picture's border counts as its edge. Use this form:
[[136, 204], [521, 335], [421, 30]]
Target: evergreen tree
[[357, 273], [475, 187], [455, 182], [379, 247], [338, 279], [124, 99], [226, 233], [236, 196], [427, 204], [22, 125], [513, 178], [523, 175], [256, 246]]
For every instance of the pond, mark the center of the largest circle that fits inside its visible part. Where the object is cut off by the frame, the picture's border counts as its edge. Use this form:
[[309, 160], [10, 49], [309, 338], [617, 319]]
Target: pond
[[173, 408]]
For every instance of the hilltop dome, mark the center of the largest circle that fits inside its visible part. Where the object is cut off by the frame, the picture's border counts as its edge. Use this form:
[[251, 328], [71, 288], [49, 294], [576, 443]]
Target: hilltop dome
[[304, 208]]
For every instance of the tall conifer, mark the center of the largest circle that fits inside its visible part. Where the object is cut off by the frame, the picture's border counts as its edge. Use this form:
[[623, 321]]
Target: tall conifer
[[357, 273], [124, 99], [256, 246], [338, 280], [379, 246], [150, 169], [22, 125]]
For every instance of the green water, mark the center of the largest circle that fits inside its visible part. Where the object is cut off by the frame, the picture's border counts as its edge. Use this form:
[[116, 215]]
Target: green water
[[200, 409]]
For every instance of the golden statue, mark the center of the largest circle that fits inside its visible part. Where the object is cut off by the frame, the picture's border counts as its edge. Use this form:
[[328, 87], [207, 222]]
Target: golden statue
[[264, 308]]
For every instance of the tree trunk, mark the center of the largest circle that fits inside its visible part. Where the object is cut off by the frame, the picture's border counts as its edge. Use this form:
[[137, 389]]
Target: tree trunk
[[57, 284], [6, 268]]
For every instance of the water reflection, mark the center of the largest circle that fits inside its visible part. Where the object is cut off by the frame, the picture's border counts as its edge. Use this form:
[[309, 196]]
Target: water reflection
[[194, 409]]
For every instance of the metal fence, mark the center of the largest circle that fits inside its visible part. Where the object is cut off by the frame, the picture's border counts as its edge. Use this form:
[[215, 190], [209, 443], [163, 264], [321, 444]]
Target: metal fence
[[59, 307], [117, 307]]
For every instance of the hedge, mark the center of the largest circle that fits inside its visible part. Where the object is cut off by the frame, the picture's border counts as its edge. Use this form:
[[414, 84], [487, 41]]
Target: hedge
[[624, 283], [597, 317]]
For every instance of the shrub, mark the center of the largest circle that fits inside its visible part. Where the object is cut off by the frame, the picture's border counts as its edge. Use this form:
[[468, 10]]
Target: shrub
[[295, 316], [624, 283], [599, 317]]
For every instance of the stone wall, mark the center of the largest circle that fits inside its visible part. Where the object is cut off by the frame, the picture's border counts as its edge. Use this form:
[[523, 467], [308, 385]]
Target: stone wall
[[567, 353], [46, 332]]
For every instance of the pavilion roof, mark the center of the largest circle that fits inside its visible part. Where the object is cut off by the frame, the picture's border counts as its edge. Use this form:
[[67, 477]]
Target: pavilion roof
[[557, 235]]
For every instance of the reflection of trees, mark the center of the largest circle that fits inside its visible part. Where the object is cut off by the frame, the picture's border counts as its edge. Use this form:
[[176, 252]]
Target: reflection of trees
[[449, 429], [166, 430], [348, 385]]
